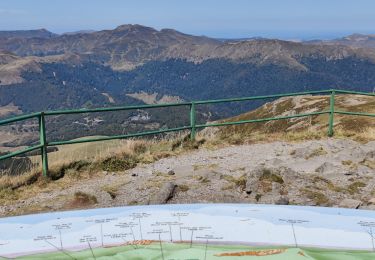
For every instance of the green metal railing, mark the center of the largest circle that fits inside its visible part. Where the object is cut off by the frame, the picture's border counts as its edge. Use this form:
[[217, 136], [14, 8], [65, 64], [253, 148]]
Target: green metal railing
[[43, 144]]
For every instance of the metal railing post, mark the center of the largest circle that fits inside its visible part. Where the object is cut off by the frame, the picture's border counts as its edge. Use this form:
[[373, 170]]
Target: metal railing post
[[43, 142], [331, 113], [192, 121]]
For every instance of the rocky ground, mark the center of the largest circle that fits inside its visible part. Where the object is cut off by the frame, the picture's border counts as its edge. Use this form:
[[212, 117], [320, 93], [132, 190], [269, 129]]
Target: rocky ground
[[330, 172]]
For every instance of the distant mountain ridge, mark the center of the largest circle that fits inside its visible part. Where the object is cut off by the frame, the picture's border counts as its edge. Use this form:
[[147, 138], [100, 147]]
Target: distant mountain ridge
[[73, 70], [39, 33], [354, 40], [79, 32], [129, 46]]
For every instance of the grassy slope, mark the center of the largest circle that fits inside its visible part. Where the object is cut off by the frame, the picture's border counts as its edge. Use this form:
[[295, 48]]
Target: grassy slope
[[358, 127]]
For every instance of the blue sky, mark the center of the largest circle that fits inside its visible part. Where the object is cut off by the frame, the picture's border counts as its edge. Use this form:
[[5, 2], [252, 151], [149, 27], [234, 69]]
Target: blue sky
[[288, 19]]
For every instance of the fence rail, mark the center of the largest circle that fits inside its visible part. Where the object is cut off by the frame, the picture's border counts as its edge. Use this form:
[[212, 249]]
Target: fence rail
[[43, 144]]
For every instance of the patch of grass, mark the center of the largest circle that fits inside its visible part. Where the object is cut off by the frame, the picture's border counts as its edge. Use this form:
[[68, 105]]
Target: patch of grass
[[350, 164], [202, 179], [317, 152], [139, 147], [183, 187], [327, 184], [15, 182], [235, 139], [347, 162], [368, 163], [8, 194], [355, 124], [293, 136], [119, 163], [355, 187], [239, 182], [318, 197], [335, 188], [186, 144], [267, 175], [72, 168]]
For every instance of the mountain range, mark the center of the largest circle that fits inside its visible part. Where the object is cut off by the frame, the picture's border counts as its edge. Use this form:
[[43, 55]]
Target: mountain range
[[42, 70], [354, 40]]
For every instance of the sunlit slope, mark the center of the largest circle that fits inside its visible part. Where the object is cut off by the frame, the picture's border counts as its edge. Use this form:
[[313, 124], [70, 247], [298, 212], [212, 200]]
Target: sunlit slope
[[346, 125]]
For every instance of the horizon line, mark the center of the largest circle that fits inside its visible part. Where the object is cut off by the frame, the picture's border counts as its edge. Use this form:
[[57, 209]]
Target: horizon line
[[266, 35]]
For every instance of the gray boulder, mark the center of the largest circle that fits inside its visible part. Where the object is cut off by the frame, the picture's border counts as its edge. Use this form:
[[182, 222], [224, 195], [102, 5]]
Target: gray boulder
[[350, 203], [326, 167], [165, 193], [253, 179]]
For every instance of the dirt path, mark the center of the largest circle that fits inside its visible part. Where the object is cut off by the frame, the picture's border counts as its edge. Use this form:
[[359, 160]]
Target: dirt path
[[329, 172]]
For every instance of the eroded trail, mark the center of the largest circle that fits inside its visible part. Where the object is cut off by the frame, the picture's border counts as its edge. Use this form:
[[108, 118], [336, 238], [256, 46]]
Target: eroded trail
[[330, 172]]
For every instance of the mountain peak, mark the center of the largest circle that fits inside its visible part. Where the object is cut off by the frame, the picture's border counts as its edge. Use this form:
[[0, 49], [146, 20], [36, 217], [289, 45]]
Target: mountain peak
[[134, 27]]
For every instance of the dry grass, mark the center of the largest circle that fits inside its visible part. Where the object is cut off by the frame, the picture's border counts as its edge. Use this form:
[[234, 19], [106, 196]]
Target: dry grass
[[239, 182], [306, 128], [365, 135], [17, 181], [317, 152], [183, 187], [369, 163], [319, 198], [267, 175], [355, 187], [85, 161], [352, 189], [95, 151]]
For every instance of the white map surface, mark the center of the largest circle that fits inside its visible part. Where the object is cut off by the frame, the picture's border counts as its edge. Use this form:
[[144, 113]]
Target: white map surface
[[217, 223]]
